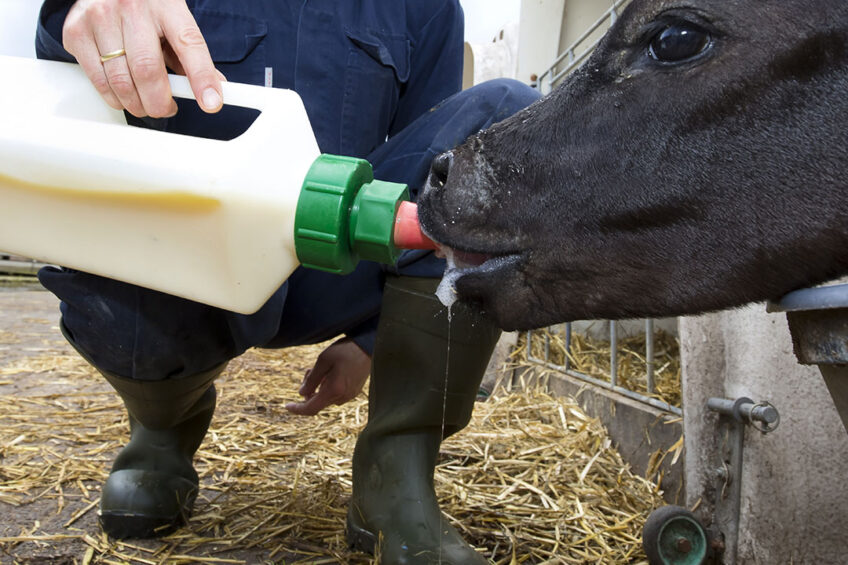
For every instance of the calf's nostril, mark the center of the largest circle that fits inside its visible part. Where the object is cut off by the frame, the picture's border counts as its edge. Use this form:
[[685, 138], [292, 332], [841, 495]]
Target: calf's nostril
[[439, 170]]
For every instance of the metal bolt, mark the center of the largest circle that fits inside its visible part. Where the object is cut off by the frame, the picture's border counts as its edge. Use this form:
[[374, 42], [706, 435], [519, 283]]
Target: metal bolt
[[684, 545], [765, 413]]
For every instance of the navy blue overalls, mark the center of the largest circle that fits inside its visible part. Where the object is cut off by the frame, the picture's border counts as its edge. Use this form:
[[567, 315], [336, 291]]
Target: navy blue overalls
[[379, 79]]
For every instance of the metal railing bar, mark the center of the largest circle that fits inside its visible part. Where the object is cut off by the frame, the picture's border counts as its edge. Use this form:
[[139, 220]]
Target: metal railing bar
[[611, 14], [8, 266], [589, 31], [612, 384], [613, 353], [653, 402], [649, 355], [576, 63]]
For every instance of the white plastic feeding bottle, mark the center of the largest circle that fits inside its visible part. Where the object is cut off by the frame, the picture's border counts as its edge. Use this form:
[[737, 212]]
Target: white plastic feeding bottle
[[218, 222]]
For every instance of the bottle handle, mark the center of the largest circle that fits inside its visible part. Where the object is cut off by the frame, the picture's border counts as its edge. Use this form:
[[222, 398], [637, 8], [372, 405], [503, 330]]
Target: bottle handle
[[247, 95], [281, 110]]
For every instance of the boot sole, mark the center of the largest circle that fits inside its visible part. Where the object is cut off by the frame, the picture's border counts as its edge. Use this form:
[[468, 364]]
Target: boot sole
[[360, 539], [145, 504], [127, 526]]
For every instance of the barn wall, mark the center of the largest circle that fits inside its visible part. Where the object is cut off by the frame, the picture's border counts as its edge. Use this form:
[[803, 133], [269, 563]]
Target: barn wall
[[794, 500], [578, 16], [540, 25]]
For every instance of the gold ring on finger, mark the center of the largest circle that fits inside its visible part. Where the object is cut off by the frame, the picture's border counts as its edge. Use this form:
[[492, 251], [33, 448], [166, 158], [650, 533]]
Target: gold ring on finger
[[113, 55]]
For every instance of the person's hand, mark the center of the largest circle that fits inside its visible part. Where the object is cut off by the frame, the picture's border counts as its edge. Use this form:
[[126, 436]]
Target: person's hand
[[153, 34], [338, 376]]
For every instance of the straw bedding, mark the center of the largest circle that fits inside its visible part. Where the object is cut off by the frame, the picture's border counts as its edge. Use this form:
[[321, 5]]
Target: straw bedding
[[531, 480]]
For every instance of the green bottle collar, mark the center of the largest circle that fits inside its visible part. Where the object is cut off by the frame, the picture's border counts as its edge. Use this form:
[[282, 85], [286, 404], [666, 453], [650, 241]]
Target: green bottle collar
[[344, 216]]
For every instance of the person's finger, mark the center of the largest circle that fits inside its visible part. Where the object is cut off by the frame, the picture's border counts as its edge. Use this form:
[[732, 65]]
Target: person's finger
[[88, 58], [348, 393], [171, 59], [78, 40], [146, 62], [311, 380], [184, 37], [106, 28], [174, 65], [313, 404]]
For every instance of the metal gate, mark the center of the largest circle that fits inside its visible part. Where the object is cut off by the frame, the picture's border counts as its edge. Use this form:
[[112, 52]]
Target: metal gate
[[648, 393]]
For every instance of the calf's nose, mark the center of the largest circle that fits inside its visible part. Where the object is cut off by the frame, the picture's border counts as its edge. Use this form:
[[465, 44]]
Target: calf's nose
[[439, 170]]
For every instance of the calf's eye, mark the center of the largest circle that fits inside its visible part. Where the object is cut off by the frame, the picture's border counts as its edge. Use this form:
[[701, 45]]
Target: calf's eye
[[678, 43]]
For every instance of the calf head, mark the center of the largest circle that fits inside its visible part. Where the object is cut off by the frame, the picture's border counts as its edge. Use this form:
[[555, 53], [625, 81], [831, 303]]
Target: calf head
[[696, 162]]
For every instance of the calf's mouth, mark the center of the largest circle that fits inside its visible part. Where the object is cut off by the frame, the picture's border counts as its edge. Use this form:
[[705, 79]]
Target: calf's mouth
[[473, 253], [464, 264]]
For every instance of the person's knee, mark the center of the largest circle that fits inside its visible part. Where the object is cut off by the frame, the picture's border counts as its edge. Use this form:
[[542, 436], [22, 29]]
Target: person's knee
[[146, 335], [506, 96], [406, 156]]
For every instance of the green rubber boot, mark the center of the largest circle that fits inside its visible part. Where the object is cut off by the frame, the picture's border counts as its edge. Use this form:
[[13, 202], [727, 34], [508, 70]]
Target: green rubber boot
[[152, 485], [393, 509]]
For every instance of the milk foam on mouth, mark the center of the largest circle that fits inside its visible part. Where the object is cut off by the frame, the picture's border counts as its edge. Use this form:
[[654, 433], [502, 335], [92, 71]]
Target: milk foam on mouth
[[446, 292]]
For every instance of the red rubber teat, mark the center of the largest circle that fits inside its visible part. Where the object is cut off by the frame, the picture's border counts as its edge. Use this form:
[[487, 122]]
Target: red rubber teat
[[408, 233]]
